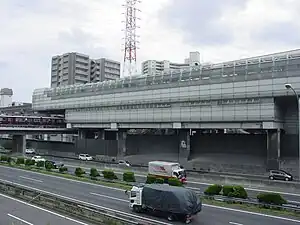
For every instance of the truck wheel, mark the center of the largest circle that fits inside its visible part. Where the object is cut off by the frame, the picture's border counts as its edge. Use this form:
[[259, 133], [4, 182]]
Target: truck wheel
[[187, 221], [136, 209], [170, 217]]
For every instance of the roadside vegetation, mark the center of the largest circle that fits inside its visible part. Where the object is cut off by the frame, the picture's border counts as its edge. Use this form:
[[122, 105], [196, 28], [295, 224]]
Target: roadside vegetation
[[269, 202]]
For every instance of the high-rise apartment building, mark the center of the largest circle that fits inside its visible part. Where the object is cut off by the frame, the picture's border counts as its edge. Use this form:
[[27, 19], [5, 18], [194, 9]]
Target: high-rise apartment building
[[155, 67], [104, 69], [6, 97], [76, 68]]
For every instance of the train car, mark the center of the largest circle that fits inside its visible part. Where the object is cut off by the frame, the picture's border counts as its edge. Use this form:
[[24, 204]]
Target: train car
[[34, 121]]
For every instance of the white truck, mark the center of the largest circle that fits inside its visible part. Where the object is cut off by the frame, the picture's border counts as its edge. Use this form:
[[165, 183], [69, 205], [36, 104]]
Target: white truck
[[166, 170], [174, 203]]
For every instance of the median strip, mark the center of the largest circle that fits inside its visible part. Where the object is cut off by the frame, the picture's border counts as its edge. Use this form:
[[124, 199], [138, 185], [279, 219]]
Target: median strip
[[126, 186]]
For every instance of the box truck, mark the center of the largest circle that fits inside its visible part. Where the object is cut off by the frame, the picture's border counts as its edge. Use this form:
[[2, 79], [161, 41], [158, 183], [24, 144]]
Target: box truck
[[167, 170], [174, 203]]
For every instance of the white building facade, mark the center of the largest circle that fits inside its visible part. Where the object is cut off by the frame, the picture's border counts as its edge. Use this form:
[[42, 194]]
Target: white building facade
[[6, 97], [156, 67]]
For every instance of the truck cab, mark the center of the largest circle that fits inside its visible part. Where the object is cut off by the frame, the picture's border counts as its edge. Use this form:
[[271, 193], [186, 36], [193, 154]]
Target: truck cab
[[135, 198]]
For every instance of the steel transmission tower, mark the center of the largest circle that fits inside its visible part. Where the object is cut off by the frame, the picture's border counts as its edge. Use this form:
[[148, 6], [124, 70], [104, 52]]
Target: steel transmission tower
[[130, 45]]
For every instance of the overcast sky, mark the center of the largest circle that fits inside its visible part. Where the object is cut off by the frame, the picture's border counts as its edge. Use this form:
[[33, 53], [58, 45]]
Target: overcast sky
[[34, 30]]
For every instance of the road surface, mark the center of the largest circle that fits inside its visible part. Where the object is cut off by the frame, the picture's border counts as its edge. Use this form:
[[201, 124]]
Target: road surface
[[113, 198], [16, 212], [196, 185]]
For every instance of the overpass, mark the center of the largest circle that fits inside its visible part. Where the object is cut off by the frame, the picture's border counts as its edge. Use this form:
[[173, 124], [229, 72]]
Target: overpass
[[245, 94]]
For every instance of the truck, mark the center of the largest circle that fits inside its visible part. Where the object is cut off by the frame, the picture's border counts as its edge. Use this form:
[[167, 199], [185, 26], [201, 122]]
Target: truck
[[173, 202], [166, 170]]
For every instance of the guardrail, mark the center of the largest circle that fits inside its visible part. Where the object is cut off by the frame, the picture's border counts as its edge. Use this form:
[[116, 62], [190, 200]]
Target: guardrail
[[290, 206], [96, 215]]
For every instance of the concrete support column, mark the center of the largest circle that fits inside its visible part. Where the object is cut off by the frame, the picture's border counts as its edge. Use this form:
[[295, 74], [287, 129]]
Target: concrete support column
[[19, 143], [121, 137], [81, 141], [184, 147], [100, 135], [273, 149]]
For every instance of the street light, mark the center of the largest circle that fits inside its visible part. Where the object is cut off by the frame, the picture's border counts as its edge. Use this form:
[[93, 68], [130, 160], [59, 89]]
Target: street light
[[290, 87]]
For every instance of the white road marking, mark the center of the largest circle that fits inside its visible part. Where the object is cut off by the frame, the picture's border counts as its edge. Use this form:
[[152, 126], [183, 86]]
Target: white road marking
[[233, 223], [28, 178], [206, 205], [39, 208], [19, 219], [207, 184], [79, 201], [105, 196]]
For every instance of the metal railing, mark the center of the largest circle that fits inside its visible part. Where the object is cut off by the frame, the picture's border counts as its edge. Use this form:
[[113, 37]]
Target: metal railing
[[76, 208]]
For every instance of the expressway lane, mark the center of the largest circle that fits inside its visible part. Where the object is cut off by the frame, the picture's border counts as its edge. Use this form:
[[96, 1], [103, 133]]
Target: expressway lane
[[116, 199], [13, 211], [199, 186]]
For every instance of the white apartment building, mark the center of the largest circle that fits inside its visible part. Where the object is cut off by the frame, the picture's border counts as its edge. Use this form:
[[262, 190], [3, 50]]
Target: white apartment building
[[76, 68], [6, 97], [156, 67]]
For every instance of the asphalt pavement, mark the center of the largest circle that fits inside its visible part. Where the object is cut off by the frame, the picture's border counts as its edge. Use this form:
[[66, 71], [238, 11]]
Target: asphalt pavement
[[198, 186], [113, 198], [16, 212]]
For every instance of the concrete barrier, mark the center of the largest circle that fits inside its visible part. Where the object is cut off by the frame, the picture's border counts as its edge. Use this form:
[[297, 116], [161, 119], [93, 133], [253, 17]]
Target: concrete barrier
[[65, 205]]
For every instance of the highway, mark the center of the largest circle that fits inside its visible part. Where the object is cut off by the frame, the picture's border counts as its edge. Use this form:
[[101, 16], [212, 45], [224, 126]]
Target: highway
[[196, 185], [113, 198], [16, 212]]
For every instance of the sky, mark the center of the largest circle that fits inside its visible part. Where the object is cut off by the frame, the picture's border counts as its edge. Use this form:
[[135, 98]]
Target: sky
[[32, 31]]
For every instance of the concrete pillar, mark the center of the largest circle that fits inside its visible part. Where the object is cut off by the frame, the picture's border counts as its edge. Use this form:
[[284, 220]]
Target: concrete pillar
[[184, 147], [19, 143], [273, 149], [121, 137]]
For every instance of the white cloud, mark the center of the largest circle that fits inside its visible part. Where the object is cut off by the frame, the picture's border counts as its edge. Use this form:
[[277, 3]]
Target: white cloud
[[34, 30]]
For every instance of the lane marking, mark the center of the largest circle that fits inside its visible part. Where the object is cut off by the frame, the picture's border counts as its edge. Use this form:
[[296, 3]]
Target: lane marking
[[105, 196], [42, 209], [21, 220], [207, 184], [206, 205], [62, 178], [233, 223], [28, 178], [80, 201]]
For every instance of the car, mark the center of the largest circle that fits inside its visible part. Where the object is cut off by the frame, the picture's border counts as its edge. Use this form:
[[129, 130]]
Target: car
[[86, 157], [56, 165], [280, 175], [124, 163], [38, 158], [29, 151]]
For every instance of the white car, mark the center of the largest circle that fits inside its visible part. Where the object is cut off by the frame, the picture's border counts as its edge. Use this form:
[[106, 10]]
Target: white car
[[29, 151], [124, 163], [86, 157], [38, 158]]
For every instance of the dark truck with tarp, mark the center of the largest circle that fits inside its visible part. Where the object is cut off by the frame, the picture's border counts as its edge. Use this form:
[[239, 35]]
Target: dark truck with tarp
[[175, 203]]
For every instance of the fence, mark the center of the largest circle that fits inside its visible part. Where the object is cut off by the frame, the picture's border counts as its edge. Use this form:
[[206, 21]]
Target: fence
[[96, 215]]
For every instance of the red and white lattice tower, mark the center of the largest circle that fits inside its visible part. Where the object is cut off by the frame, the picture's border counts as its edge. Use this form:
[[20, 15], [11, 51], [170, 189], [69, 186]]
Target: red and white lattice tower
[[130, 45]]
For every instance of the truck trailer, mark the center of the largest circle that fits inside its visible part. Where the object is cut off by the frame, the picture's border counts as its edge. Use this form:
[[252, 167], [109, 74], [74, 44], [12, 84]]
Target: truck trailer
[[166, 170], [174, 203]]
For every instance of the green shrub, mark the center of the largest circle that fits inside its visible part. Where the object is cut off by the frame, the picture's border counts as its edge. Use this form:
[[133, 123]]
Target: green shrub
[[238, 192], [271, 198], [214, 189], [160, 180], [79, 172], [94, 172], [40, 164], [63, 169], [109, 174], [227, 189], [128, 177], [151, 179], [3, 158], [174, 182], [9, 159], [49, 166], [20, 160], [29, 162]]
